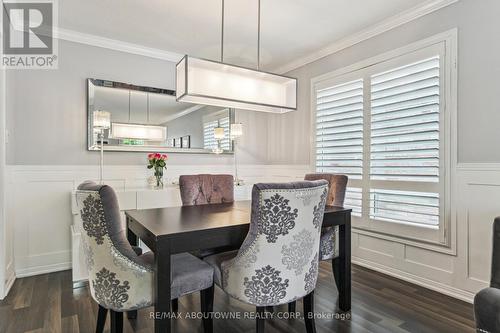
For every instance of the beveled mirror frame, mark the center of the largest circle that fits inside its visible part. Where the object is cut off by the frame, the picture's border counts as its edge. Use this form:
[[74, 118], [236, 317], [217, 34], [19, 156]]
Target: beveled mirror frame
[[94, 146]]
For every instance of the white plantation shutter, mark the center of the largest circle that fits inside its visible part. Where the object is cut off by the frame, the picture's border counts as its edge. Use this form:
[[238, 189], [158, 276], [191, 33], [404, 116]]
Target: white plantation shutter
[[225, 124], [405, 123], [209, 141], [404, 142], [339, 129], [383, 125]]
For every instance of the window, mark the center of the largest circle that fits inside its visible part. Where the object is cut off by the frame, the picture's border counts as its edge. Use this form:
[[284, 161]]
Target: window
[[385, 123], [209, 141]]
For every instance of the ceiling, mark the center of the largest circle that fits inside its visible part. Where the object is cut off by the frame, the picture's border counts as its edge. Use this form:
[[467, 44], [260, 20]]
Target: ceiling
[[290, 29]]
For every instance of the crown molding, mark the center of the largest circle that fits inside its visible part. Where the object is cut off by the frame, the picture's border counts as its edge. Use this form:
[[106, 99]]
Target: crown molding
[[117, 45], [395, 21]]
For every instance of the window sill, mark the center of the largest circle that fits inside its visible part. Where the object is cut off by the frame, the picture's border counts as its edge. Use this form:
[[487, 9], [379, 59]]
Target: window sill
[[445, 249]]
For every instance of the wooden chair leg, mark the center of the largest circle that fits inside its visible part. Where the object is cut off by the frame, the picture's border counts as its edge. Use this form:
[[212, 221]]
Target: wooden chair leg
[[207, 308], [336, 271], [101, 319], [132, 314], [261, 321], [175, 305], [292, 306], [116, 322], [309, 313]]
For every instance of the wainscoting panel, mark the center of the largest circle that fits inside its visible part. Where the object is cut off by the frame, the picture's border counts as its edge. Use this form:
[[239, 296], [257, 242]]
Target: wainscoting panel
[[39, 210], [476, 204], [39, 203]]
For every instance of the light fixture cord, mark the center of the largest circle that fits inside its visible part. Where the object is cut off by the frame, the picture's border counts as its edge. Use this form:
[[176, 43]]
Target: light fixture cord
[[258, 36], [222, 35]]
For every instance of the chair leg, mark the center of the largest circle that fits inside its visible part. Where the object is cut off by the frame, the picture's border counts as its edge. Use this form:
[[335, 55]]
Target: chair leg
[[132, 314], [261, 320], [175, 305], [207, 307], [116, 322], [309, 313], [336, 271], [292, 306], [101, 319]]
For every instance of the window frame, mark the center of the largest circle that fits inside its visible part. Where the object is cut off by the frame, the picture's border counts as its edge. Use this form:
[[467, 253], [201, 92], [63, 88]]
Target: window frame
[[442, 239]]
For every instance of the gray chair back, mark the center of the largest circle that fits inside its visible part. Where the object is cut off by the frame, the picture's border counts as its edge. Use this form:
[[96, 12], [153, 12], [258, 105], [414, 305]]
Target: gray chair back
[[337, 185], [206, 189], [119, 279]]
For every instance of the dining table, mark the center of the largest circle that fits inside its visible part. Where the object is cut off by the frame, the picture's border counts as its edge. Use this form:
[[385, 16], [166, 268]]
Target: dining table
[[171, 230]]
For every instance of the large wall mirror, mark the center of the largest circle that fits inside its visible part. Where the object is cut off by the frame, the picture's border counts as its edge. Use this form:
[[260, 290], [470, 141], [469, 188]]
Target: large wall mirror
[[150, 119]]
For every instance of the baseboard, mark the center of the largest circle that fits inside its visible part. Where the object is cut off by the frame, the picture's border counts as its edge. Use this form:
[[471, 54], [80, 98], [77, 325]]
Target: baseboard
[[460, 294], [9, 280], [36, 270]]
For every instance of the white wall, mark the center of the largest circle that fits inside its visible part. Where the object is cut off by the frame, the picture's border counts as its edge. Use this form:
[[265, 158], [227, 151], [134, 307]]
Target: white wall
[[478, 71], [47, 154], [47, 157], [3, 238], [477, 176], [47, 109]]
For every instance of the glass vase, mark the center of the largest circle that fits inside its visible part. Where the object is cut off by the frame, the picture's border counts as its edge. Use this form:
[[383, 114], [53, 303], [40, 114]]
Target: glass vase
[[159, 177]]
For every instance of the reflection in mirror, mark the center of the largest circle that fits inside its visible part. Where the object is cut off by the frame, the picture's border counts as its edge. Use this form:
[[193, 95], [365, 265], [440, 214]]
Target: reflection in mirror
[[150, 119]]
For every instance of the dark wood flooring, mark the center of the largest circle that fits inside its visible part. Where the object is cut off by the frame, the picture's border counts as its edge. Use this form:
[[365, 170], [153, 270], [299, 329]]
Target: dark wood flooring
[[48, 303]]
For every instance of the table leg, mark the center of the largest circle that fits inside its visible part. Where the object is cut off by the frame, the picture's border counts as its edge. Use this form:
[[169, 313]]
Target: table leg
[[162, 287], [131, 237], [345, 265], [134, 241]]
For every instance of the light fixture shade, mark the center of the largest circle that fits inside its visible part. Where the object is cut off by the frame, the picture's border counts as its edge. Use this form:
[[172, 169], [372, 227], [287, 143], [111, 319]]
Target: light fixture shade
[[219, 133], [101, 119], [213, 83], [138, 132], [236, 130]]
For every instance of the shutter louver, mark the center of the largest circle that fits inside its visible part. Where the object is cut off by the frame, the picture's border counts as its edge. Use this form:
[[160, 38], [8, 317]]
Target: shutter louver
[[353, 200], [405, 123], [405, 207], [209, 141], [339, 129]]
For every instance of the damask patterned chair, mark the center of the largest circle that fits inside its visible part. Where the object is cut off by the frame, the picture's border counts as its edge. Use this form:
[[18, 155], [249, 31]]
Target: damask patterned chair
[[119, 279], [278, 261]]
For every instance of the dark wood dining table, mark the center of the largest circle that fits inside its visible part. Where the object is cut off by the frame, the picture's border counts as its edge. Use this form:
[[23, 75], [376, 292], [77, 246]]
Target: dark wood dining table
[[172, 230]]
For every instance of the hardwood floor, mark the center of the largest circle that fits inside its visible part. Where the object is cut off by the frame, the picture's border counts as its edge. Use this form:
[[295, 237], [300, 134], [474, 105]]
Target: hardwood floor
[[48, 303]]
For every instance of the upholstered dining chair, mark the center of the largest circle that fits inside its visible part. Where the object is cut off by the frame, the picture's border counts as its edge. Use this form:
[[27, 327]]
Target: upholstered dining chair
[[487, 301], [329, 245], [120, 280], [278, 261], [206, 189]]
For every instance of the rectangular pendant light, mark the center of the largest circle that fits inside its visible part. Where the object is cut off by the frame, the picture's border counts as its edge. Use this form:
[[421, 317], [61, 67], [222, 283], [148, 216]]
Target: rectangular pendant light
[[209, 82], [138, 132]]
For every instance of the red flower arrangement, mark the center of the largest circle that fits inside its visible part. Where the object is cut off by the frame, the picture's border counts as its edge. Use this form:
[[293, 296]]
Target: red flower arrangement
[[157, 162]]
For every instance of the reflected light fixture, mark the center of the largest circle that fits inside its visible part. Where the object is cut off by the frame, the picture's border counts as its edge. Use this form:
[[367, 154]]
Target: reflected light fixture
[[138, 132], [218, 135], [215, 83], [101, 120]]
